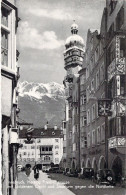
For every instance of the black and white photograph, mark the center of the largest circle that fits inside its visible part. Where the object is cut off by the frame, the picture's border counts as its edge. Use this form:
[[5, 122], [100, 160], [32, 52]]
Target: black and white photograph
[[63, 97]]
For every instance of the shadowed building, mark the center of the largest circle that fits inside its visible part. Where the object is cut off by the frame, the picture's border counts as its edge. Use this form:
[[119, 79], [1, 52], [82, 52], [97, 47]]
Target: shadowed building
[[9, 96]]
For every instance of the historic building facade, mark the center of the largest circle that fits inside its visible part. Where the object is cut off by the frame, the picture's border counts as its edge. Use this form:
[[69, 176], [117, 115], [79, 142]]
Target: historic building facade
[[9, 96], [100, 103], [92, 87], [46, 147], [73, 56], [116, 77]]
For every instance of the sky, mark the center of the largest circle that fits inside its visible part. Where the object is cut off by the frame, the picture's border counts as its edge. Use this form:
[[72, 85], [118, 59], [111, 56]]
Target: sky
[[42, 31]]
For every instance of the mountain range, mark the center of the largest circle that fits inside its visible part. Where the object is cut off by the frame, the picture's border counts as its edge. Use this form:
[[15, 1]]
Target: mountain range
[[39, 103]]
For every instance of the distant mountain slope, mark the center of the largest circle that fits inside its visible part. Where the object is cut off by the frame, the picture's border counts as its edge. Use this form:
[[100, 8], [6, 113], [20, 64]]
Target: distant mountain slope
[[40, 103]]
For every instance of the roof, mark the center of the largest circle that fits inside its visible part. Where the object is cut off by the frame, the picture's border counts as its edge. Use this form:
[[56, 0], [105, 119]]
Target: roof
[[42, 133], [74, 39]]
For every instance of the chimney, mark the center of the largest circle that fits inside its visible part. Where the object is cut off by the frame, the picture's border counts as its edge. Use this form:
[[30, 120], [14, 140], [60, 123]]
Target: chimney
[[55, 127]]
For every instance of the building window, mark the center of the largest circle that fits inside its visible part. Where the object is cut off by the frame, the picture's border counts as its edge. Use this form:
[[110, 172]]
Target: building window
[[91, 43], [93, 138], [97, 80], [102, 72], [97, 110], [84, 121], [92, 85], [56, 140], [96, 54], [56, 152], [46, 158], [88, 117], [74, 147], [4, 48], [103, 132], [7, 36], [87, 72], [64, 138], [111, 53], [85, 142], [70, 134], [25, 153], [32, 147], [56, 160], [76, 128], [88, 140], [93, 112], [56, 147], [87, 93], [122, 47], [38, 141], [98, 135], [4, 35]]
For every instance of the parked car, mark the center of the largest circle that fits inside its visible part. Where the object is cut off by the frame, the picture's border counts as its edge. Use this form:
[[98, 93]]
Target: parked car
[[86, 173], [65, 170], [60, 170], [106, 177], [53, 170], [72, 173]]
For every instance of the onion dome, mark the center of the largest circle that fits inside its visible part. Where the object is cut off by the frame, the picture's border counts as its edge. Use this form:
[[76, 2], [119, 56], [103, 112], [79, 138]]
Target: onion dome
[[74, 39]]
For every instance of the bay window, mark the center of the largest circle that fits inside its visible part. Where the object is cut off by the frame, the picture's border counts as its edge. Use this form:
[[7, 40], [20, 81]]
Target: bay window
[[8, 47]]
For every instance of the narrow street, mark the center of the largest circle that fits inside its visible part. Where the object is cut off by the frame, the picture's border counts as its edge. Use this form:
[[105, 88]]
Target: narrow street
[[58, 184], [42, 186], [87, 187], [24, 187]]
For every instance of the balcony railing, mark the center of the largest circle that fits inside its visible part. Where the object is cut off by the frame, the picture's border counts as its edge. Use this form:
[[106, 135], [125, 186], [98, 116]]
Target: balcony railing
[[46, 152]]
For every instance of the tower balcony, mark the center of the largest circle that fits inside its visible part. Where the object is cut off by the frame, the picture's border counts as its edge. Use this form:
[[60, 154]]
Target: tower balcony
[[117, 144], [73, 61]]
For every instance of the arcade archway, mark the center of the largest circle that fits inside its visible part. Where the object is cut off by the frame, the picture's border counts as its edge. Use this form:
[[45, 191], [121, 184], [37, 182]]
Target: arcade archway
[[88, 163], [82, 164], [94, 164], [117, 168], [102, 163], [73, 165]]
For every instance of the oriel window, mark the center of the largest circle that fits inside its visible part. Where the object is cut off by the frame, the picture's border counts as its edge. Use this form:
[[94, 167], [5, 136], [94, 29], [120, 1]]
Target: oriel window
[[4, 48], [5, 31]]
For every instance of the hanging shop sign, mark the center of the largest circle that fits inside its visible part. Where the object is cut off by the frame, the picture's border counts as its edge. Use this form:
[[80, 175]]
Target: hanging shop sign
[[104, 107], [117, 66]]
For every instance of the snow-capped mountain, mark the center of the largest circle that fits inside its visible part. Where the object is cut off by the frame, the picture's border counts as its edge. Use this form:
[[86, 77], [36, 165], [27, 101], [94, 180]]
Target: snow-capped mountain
[[41, 102], [38, 90]]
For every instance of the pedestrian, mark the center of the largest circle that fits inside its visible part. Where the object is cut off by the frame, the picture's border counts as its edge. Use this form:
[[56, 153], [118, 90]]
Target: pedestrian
[[36, 173]]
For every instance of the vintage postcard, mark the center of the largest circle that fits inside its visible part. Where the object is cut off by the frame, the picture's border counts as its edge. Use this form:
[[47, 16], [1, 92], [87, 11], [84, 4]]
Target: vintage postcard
[[63, 97]]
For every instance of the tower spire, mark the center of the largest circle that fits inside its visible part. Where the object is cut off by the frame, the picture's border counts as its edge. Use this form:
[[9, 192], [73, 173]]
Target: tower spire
[[74, 28]]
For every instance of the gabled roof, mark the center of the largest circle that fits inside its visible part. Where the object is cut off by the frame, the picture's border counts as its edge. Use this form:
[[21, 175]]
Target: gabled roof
[[42, 133]]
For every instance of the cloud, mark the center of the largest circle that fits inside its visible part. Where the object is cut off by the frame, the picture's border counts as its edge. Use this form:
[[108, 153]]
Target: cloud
[[30, 37], [57, 14]]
